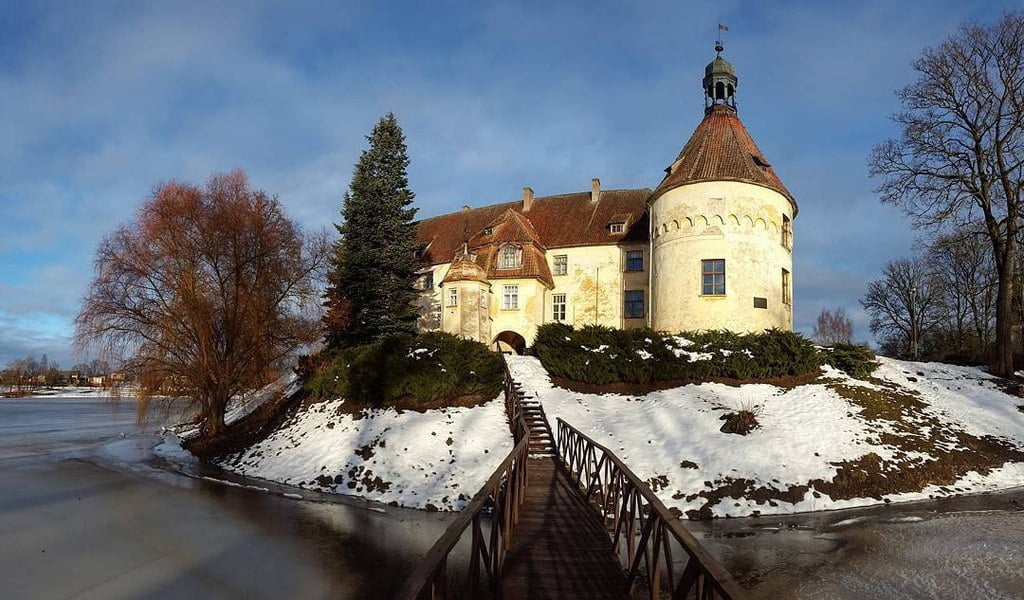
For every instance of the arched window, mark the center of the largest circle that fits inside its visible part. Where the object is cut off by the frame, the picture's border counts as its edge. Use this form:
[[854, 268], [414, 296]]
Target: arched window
[[719, 91], [510, 257]]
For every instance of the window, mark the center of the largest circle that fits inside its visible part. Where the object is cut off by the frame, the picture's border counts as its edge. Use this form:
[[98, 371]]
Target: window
[[760, 302], [427, 280], [616, 227], [435, 321], [453, 296], [634, 260], [787, 232], [510, 297], [558, 307], [561, 264], [489, 231], [712, 277], [510, 257], [484, 301], [634, 304], [786, 296]]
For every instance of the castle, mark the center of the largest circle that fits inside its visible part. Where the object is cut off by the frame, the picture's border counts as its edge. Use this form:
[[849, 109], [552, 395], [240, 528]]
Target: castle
[[709, 248]]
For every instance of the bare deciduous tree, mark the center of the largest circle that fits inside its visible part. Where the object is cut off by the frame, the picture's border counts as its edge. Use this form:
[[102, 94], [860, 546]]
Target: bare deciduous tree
[[903, 305], [964, 272], [833, 327], [202, 295], [961, 151]]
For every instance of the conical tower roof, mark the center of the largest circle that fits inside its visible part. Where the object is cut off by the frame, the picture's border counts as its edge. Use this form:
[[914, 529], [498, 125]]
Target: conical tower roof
[[720, 149]]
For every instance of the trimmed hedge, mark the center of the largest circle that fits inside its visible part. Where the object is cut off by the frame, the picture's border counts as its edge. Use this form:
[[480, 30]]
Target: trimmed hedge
[[856, 361], [599, 355], [427, 367]]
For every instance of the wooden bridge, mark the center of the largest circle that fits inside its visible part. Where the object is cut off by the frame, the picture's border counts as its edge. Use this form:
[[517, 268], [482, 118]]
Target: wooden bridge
[[565, 519]]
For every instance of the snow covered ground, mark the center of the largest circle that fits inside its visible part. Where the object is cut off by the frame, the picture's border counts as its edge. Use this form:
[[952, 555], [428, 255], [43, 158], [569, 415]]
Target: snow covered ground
[[437, 459], [807, 434]]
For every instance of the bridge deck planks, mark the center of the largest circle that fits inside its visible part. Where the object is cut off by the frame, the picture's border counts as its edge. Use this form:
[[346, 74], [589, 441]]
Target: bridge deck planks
[[559, 548]]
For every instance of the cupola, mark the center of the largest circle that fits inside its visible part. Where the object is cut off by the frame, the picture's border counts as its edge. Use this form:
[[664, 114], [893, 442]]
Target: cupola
[[719, 82]]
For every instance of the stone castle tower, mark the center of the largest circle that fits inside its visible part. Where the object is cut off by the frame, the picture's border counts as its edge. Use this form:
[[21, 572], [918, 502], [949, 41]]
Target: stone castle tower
[[721, 226]]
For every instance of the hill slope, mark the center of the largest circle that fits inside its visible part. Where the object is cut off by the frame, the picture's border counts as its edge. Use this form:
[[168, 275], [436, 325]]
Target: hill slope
[[914, 431]]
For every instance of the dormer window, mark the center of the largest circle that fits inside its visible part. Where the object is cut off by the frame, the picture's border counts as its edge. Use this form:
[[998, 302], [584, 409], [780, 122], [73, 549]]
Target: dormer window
[[760, 162], [489, 231], [510, 257], [616, 227]]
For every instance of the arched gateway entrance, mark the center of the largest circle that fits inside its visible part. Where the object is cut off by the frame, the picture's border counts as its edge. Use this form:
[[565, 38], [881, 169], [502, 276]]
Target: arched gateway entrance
[[509, 341]]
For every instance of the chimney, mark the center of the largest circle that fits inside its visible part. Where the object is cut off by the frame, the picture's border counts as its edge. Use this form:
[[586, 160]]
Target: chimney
[[527, 198], [595, 190]]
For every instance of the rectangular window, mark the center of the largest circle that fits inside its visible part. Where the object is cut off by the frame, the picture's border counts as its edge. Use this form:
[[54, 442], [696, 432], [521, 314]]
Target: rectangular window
[[760, 302], [453, 296], [634, 260], [510, 297], [616, 227], [558, 307], [427, 280], [787, 232], [634, 308], [436, 317], [786, 295], [712, 277], [561, 264]]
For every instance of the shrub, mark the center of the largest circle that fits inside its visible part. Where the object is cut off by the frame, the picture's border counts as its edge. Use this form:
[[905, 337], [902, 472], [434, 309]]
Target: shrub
[[856, 361], [429, 367], [600, 355]]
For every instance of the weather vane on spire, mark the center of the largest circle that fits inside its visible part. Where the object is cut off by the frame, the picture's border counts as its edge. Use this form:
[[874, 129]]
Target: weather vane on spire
[[718, 43]]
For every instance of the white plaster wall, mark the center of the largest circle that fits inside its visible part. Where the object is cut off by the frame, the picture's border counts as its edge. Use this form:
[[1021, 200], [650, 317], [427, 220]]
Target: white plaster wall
[[738, 222], [595, 284]]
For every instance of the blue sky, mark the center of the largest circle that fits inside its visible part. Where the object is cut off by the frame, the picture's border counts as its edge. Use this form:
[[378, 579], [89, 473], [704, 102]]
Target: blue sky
[[100, 101]]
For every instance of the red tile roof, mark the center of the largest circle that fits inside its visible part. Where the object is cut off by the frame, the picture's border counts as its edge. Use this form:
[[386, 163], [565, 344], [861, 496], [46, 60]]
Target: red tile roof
[[720, 149], [554, 221]]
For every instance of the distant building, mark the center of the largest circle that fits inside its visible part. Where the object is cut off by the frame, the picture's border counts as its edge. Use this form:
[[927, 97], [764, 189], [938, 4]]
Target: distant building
[[709, 248]]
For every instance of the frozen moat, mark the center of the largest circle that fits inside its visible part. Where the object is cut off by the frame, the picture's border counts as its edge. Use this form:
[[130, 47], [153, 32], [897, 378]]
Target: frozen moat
[[88, 511]]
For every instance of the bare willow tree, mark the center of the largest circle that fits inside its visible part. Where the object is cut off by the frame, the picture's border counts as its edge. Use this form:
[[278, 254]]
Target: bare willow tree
[[904, 305], [961, 151], [833, 327], [203, 293]]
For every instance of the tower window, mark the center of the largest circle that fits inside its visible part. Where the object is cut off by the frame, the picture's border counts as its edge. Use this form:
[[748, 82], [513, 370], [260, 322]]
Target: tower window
[[634, 260], [712, 273], [510, 297], [634, 308], [510, 257], [787, 232], [787, 296], [435, 317], [558, 307], [561, 264], [453, 296]]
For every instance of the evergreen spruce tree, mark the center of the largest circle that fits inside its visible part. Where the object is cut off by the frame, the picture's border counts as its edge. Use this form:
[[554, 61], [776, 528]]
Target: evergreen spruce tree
[[370, 290]]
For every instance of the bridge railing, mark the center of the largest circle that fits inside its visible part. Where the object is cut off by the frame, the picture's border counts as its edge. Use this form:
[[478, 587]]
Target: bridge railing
[[645, 534], [498, 502]]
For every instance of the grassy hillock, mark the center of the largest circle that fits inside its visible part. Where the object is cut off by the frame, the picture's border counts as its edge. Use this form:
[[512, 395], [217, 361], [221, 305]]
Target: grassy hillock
[[424, 371]]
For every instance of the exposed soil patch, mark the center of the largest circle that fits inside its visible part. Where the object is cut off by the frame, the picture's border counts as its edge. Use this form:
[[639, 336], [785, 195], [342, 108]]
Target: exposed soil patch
[[740, 423], [727, 487], [623, 388]]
